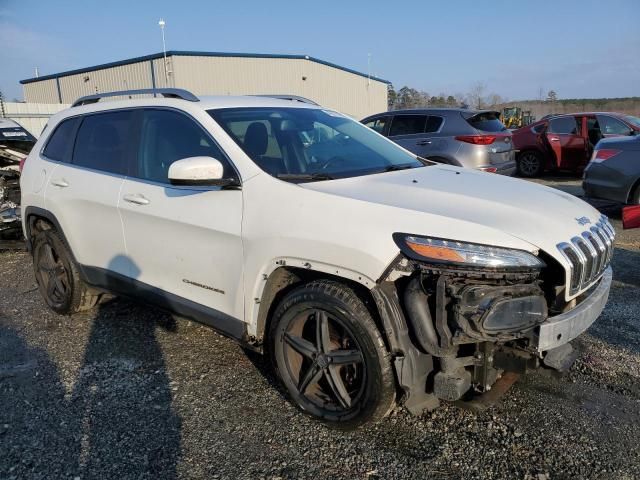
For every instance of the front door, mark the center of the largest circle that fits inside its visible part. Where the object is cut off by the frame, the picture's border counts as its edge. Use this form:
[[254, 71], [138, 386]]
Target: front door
[[185, 241], [568, 146]]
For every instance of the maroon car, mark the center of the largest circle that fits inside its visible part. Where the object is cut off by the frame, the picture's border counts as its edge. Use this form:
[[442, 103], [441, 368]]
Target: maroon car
[[566, 141]]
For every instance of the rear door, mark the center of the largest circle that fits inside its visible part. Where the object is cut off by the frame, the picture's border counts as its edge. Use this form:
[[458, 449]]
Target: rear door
[[83, 193], [182, 240], [408, 131], [568, 146]]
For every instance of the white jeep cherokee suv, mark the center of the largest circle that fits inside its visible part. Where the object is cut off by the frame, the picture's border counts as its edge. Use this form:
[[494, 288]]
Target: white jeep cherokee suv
[[368, 275]]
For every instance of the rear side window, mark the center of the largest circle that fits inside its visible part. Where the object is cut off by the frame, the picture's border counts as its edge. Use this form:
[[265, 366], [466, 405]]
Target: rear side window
[[433, 124], [168, 136], [60, 145], [612, 126], [103, 142], [407, 125], [377, 124], [563, 125], [486, 122]]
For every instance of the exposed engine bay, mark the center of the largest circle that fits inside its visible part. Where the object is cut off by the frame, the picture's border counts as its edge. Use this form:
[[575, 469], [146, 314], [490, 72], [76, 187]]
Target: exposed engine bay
[[478, 326], [10, 220]]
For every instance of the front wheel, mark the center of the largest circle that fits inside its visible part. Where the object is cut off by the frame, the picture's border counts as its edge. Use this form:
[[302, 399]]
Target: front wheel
[[330, 356], [530, 164]]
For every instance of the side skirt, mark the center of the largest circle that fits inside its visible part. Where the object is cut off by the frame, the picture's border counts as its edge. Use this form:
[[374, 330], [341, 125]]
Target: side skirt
[[128, 287]]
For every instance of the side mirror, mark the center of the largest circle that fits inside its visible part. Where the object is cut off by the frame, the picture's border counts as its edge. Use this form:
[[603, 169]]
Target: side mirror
[[199, 171]]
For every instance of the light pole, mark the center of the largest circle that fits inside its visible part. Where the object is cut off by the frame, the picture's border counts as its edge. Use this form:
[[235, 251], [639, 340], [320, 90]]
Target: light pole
[[161, 23]]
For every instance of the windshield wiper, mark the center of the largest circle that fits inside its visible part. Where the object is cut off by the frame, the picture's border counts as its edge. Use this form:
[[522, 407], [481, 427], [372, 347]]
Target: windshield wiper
[[394, 168], [304, 177]]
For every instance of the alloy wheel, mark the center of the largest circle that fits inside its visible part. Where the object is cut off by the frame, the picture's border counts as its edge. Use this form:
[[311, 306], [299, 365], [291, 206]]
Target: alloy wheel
[[324, 361], [529, 164], [53, 275]]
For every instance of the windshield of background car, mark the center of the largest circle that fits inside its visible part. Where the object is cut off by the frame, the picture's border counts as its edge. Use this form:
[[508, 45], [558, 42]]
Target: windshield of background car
[[632, 120], [17, 138], [487, 122], [299, 142]]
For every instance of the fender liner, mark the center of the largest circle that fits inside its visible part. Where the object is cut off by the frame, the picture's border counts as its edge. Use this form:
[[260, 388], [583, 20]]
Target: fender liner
[[412, 366]]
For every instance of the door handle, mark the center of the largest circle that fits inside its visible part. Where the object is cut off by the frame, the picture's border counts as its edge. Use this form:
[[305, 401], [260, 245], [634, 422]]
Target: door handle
[[60, 182], [554, 139], [137, 198], [423, 142]]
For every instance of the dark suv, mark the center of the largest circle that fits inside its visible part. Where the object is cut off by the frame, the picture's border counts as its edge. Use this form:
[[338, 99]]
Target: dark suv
[[466, 138]]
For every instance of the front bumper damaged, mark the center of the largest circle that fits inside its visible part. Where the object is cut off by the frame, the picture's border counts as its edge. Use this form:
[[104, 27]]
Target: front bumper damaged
[[561, 329]]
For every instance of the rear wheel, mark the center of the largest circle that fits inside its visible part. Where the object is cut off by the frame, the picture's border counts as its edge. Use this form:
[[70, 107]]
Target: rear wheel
[[57, 276], [330, 356], [634, 199], [530, 164]]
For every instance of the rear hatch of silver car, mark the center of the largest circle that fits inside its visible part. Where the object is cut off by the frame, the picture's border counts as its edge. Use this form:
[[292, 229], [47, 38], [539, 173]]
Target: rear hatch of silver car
[[488, 124]]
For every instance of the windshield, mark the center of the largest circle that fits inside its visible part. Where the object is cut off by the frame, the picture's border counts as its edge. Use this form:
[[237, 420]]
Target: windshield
[[632, 120], [303, 144]]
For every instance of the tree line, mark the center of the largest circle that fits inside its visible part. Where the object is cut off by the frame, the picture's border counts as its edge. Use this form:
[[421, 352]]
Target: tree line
[[476, 98]]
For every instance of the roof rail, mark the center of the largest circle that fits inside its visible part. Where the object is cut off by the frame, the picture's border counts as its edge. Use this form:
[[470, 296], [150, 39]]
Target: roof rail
[[165, 92], [293, 98]]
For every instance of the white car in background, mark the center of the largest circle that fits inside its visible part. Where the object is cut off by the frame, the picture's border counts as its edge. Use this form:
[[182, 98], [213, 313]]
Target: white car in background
[[368, 275]]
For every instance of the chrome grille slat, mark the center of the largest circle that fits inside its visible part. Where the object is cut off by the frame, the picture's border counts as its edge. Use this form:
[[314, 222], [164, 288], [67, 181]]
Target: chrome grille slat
[[588, 255]]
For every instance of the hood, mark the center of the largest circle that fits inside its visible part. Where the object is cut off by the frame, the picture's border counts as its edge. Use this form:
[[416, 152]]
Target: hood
[[538, 215]]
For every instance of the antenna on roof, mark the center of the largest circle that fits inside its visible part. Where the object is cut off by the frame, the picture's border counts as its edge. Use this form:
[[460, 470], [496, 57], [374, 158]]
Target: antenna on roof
[[161, 24], [37, 72]]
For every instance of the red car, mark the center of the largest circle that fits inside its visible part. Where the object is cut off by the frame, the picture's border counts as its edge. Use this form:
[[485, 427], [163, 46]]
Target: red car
[[566, 141]]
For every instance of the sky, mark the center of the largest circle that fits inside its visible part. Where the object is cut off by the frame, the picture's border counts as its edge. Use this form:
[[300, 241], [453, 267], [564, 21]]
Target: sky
[[580, 49]]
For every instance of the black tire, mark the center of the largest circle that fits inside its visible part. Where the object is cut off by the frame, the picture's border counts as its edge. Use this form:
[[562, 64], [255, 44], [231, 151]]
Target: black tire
[[530, 164], [330, 323], [57, 276]]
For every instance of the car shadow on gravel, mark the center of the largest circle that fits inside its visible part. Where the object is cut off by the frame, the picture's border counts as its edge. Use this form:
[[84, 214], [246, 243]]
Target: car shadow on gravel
[[112, 418], [123, 400], [31, 394]]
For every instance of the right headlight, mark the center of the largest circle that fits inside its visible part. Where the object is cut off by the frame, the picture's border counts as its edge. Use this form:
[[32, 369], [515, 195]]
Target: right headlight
[[452, 252]]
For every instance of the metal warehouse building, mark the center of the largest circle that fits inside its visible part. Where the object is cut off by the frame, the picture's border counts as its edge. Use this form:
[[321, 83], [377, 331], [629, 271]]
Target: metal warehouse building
[[214, 73]]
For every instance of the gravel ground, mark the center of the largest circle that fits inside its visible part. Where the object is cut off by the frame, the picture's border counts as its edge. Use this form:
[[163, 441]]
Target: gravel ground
[[129, 392]]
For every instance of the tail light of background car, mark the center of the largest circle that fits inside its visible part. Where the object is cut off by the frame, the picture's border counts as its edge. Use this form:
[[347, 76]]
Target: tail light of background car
[[604, 154], [483, 139], [21, 165]]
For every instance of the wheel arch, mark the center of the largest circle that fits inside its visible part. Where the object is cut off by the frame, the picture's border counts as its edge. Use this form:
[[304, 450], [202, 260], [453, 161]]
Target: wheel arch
[[285, 278], [35, 219], [632, 191]]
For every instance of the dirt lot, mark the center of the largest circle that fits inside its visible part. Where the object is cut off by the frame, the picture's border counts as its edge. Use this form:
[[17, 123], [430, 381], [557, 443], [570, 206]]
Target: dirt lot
[[128, 392]]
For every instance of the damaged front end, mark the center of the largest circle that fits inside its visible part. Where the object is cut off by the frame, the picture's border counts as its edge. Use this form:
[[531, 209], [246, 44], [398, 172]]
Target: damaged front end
[[479, 323], [11, 235]]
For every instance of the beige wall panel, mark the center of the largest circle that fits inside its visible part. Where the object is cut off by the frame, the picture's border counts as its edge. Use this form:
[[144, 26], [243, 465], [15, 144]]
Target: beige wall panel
[[44, 91], [123, 77], [349, 93], [334, 88]]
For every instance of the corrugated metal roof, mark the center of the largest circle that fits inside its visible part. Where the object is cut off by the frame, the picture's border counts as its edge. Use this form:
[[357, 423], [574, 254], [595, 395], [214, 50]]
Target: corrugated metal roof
[[180, 53]]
